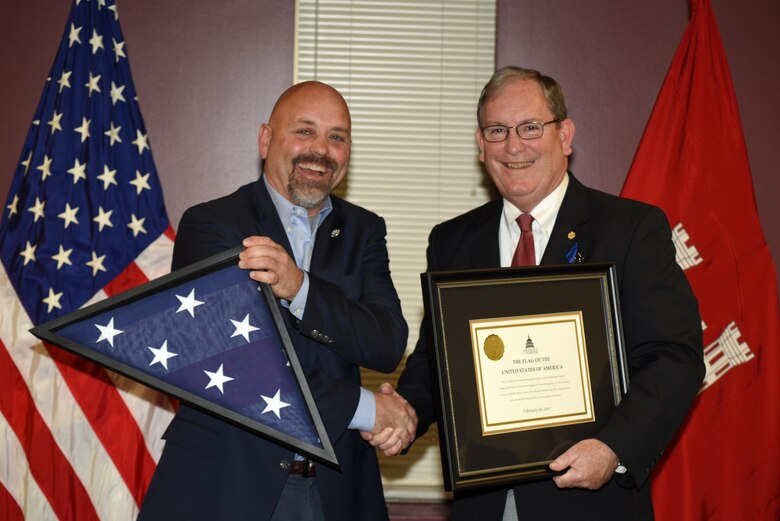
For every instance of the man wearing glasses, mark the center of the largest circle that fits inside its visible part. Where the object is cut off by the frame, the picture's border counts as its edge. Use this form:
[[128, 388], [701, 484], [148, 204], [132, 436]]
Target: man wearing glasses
[[546, 216]]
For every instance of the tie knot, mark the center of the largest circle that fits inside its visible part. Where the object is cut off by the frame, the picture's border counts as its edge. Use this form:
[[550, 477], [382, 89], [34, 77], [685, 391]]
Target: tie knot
[[525, 221]]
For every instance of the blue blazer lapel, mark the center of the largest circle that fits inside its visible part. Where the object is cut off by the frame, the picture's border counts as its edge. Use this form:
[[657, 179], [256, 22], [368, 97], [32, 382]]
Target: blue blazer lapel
[[571, 226], [333, 238], [483, 239], [267, 219]]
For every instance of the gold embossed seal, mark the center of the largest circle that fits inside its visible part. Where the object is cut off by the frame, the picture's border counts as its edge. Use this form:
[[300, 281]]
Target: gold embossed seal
[[494, 347]]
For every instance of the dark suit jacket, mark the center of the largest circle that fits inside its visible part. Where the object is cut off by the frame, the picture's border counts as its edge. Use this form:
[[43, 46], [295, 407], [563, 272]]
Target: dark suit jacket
[[212, 470], [663, 341]]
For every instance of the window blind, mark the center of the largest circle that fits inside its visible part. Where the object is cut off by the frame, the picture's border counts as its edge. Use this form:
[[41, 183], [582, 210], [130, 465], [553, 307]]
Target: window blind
[[411, 72]]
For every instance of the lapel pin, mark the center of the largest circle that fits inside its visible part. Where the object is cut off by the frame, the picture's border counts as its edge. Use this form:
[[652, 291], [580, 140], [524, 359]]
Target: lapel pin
[[571, 235], [335, 233]]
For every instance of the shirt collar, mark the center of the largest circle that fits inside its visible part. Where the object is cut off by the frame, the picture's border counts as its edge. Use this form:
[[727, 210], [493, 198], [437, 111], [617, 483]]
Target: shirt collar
[[544, 213]]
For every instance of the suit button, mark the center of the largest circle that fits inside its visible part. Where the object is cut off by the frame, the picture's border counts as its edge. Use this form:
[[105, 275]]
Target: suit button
[[284, 464], [314, 332]]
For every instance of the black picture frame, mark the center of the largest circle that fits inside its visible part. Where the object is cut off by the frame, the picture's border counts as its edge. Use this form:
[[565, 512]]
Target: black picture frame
[[471, 390], [67, 332]]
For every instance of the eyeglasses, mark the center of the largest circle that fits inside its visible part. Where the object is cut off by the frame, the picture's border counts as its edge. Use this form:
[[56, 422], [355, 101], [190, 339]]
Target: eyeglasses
[[528, 130]]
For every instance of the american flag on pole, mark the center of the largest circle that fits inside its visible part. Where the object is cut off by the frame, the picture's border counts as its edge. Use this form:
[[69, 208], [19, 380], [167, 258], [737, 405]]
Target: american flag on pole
[[693, 163], [84, 219]]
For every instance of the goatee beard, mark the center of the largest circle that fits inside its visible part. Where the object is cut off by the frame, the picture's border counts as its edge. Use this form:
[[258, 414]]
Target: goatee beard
[[306, 192]]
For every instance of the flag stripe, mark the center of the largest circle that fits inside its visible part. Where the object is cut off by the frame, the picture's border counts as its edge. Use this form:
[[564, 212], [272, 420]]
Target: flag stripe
[[19, 493], [127, 279], [155, 260], [152, 411], [169, 233], [9, 509], [63, 490]]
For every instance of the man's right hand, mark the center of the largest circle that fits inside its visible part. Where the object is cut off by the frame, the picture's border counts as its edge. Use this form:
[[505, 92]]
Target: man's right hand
[[269, 262], [395, 424]]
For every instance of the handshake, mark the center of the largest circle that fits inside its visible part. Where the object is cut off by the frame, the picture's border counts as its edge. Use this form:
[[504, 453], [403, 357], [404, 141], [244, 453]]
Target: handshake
[[395, 424]]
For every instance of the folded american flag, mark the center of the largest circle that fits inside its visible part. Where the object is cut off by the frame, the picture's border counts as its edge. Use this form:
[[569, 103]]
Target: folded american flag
[[209, 335]]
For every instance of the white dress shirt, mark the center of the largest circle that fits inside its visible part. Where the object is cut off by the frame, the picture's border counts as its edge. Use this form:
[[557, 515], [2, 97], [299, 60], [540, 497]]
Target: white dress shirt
[[544, 215]]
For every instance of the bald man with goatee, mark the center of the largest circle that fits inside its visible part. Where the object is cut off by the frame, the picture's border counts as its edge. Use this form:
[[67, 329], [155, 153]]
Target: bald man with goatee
[[326, 261]]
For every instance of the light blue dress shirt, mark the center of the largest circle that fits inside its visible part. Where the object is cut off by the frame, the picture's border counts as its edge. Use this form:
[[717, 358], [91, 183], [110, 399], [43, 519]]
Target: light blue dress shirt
[[301, 232]]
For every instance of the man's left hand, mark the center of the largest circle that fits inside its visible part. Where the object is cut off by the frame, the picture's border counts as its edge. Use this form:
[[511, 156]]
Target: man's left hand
[[590, 463]]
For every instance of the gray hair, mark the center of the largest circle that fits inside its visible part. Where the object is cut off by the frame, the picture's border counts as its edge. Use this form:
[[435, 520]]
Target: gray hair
[[552, 91]]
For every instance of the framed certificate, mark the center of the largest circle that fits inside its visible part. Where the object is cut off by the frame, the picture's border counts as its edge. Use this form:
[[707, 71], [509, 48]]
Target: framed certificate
[[528, 361], [209, 336]]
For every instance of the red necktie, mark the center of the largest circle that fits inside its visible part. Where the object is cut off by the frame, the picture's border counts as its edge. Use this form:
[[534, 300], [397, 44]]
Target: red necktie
[[525, 254]]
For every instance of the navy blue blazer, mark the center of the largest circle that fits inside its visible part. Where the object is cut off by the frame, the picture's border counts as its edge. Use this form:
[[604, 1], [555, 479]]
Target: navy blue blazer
[[662, 332], [211, 469]]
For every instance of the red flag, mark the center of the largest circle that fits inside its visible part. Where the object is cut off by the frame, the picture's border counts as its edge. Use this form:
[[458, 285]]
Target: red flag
[[692, 162]]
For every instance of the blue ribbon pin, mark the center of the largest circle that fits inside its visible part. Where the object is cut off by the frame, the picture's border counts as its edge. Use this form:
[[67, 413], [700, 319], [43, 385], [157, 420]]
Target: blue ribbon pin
[[573, 255]]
